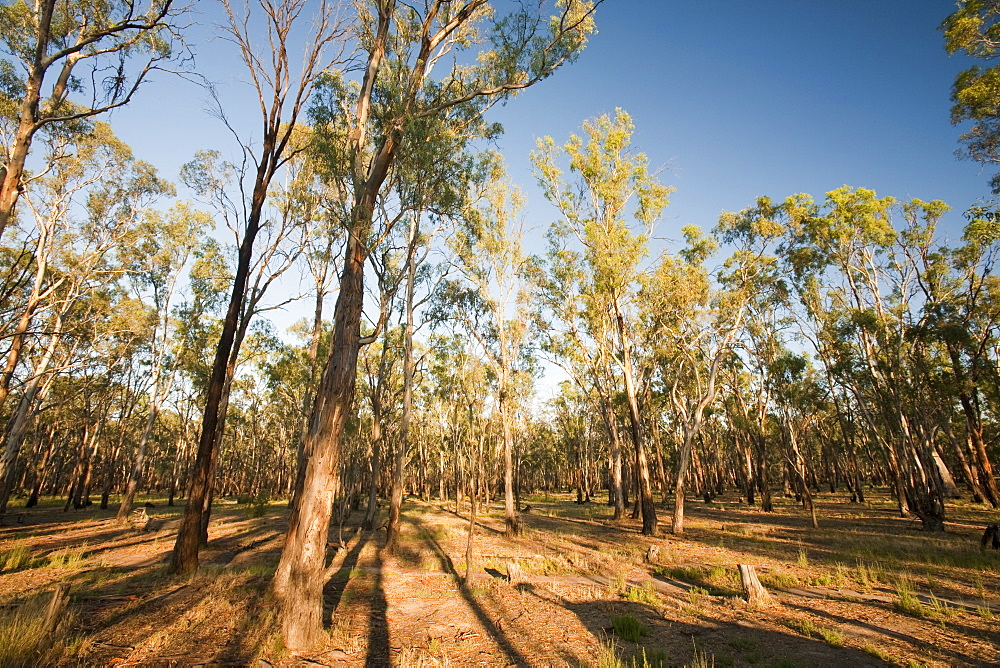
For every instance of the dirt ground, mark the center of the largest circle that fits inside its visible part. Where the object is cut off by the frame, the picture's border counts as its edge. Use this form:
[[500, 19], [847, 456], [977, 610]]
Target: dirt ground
[[865, 589]]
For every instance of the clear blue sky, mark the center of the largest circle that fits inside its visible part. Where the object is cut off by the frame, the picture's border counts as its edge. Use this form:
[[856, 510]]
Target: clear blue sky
[[738, 98], [742, 98]]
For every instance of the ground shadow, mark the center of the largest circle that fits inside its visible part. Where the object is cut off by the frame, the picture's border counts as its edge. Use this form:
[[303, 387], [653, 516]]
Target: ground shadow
[[465, 589]]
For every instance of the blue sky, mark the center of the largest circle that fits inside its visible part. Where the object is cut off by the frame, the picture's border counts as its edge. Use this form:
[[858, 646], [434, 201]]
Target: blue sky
[[743, 98], [736, 98]]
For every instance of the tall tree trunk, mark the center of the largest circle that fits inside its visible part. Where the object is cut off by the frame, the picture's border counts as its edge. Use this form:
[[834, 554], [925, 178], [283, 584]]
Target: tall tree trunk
[[185, 554], [298, 581], [399, 462], [17, 426], [135, 477]]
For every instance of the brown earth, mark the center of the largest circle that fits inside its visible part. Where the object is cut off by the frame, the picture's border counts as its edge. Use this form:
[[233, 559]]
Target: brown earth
[[866, 589]]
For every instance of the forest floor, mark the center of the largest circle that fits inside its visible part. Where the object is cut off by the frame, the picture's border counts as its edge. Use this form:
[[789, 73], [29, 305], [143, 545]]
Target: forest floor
[[865, 589]]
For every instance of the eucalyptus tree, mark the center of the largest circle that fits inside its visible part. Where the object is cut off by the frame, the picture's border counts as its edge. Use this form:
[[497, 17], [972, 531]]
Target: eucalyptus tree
[[431, 187], [958, 315], [577, 335], [860, 293], [398, 100], [282, 94], [613, 184], [95, 57], [96, 170], [380, 364], [84, 209], [972, 29], [490, 300], [155, 260]]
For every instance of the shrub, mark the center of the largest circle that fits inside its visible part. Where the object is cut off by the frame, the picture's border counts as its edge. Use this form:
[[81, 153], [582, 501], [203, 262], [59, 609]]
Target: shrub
[[629, 627]]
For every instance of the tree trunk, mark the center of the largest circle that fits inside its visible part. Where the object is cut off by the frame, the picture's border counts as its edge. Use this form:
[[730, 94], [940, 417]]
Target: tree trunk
[[399, 462], [185, 554], [753, 590], [135, 477], [298, 581]]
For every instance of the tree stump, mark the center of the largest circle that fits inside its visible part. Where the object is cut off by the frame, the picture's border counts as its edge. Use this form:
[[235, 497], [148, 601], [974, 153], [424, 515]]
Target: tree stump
[[753, 590], [991, 537], [514, 573], [139, 519], [57, 606]]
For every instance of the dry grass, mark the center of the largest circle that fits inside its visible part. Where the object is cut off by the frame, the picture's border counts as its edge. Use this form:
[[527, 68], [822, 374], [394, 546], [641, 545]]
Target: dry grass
[[583, 571]]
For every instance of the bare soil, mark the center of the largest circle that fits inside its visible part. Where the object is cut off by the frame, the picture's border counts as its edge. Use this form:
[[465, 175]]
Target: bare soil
[[865, 589]]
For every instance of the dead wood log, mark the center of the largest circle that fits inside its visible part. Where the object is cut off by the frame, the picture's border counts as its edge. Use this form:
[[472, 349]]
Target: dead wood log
[[57, 606], [991, 537], [753, 590]]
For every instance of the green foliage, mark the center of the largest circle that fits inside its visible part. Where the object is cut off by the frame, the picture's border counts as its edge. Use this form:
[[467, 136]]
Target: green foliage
[[629, 627], [973, 29]]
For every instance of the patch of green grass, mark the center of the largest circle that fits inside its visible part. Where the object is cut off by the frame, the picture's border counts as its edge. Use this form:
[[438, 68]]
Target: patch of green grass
[[938, 609], [804, 626], [906, 600], [784, 663], [617, 585], [15, 557], [652, 658], [435, 532], [644, 594], [878, 653], [607, 656], [629, 627], [779, 580], [743, 643], [66, 558], [832, 637], [23, 639]]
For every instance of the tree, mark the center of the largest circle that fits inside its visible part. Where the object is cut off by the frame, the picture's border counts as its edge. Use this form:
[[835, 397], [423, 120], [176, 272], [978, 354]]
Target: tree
[[155, 261], [974, 28], [75, 263], [614, 183], [123, 42], [282, 95], [491, 305], [397, 95]]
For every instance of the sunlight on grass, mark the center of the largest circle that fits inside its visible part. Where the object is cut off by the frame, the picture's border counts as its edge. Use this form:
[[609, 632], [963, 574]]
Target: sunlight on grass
[[14, 557], [23, 639]]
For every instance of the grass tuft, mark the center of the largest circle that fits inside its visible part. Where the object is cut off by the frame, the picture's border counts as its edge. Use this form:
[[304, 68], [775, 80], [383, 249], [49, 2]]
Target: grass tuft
[[68, 559], [906, 600], [644, 594], [832, 637], [629, 627], [15, 557], [24, 641]]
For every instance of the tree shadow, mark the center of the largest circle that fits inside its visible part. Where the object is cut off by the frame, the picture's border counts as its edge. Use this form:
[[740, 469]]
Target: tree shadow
[[333, 591], [378, 624], [700, 640], [514, 656]]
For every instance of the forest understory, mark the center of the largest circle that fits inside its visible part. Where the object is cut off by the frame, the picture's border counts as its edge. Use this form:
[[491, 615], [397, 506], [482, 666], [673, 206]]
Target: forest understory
[[866, 588]]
